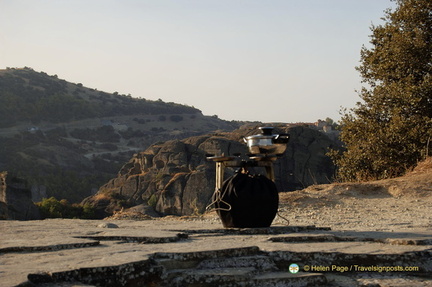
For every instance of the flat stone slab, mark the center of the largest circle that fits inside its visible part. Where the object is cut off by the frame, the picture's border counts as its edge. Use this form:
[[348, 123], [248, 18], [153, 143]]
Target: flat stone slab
[[63, 248], [54, 244], [310, 238]]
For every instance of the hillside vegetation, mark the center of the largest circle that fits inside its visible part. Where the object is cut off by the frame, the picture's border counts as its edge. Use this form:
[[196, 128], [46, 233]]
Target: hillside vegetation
[[67, 140], [35, 97]]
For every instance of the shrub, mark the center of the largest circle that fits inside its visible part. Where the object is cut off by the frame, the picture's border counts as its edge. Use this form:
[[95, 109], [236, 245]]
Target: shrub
[[176, 118], [53, 208]]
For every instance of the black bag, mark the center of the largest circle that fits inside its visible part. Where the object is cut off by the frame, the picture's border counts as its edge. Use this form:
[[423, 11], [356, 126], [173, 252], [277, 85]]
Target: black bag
[[247, 201]]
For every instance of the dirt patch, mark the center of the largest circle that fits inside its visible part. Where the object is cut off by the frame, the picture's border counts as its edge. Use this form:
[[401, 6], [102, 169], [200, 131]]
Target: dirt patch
[[403, 202], [417, 184]]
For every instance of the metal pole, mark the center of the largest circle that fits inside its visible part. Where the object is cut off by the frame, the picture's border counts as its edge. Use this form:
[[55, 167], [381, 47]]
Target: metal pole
[[220, 169], [270, 172]]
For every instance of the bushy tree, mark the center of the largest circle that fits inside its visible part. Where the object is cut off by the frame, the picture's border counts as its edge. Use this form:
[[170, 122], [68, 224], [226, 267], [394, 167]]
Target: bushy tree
[[390, 130]]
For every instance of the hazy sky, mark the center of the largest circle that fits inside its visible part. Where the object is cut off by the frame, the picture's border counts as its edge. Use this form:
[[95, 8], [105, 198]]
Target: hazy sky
[[257, 60]]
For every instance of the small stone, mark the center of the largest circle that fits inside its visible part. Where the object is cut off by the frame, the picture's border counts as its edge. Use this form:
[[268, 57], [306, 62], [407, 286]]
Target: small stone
[[107, 225]]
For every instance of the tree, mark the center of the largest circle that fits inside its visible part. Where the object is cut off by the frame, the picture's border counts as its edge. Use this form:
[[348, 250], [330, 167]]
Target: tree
[[390, 130]]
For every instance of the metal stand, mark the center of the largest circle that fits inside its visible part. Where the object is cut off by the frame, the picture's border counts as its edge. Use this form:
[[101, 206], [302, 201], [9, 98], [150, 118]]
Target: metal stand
[[223, 162], [218, 203], [252, 211]]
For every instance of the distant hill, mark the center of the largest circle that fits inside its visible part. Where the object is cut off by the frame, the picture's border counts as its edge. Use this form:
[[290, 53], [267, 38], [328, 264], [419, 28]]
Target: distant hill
[[27, 95], [66, 139]]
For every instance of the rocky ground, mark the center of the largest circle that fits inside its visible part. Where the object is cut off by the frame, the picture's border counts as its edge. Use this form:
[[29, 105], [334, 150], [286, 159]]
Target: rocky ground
[[333, 232]]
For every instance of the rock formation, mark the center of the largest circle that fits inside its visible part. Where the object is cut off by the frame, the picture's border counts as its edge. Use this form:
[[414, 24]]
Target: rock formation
[[174, 177], [16, 200]]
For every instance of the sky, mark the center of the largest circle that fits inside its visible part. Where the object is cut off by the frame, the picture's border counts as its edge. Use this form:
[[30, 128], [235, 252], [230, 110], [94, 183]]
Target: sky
[[247, 60]]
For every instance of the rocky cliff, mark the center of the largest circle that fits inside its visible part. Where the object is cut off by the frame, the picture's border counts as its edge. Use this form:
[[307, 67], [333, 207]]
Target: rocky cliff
[[175, 178], [16, 200]]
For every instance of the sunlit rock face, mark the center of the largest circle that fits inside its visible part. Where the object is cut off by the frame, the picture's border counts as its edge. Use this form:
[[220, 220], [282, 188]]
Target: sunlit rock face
[[175, 178]]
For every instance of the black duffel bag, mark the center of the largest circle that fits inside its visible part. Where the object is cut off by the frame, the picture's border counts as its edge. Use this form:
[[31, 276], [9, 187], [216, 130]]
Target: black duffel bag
[[247, 201]]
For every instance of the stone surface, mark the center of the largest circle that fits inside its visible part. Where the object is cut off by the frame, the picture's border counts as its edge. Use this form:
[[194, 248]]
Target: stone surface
[[197, 251], [351, 234]]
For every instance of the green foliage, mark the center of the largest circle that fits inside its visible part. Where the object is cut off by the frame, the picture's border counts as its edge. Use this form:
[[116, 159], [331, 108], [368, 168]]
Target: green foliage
[[53, 208], [389, 131], [88, 211], [153, 200]]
